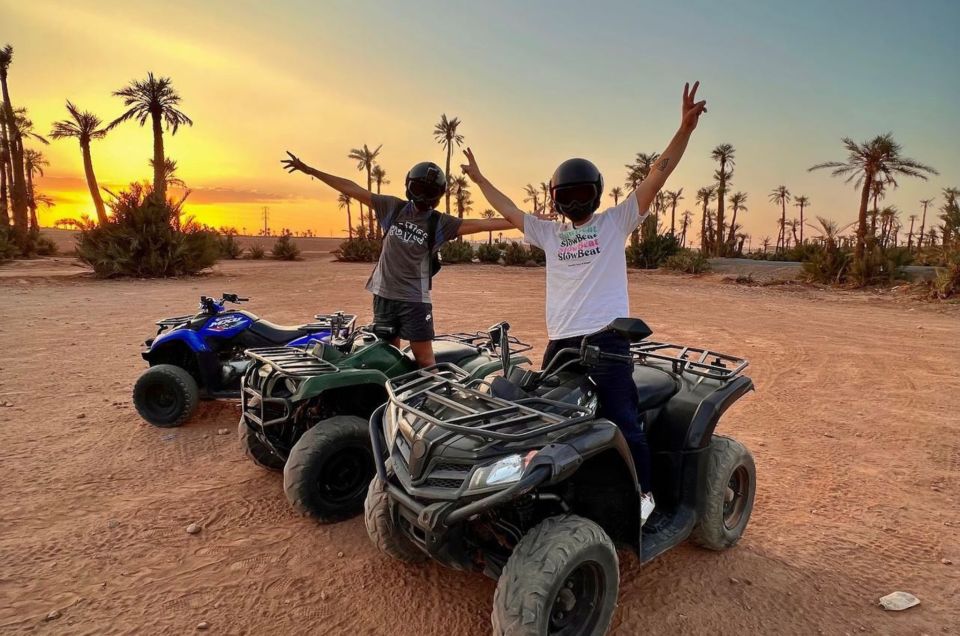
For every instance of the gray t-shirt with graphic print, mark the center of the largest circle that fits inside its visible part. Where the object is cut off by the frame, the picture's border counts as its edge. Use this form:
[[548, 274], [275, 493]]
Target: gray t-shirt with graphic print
[[403, 271]]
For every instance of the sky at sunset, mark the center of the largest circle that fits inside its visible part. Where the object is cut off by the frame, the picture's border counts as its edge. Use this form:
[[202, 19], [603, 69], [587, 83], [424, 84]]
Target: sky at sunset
[[533, 82]]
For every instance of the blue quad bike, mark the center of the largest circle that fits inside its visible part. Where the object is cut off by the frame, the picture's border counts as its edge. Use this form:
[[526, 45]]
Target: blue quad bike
[[202, 355]]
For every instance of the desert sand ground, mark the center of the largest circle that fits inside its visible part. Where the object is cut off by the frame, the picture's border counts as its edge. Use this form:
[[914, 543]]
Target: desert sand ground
[[854, 427]]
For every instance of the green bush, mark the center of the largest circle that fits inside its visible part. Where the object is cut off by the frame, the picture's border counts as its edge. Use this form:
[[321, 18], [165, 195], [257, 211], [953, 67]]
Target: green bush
[[359, 250], [488, 253], [537, 255], [44, 246], [256, 252], [147, 238], [947, 282], [456, 252], [652, 251], [516, 254], [229, 247], [8, 248], [828, 264], [285, 249], [687, 261]]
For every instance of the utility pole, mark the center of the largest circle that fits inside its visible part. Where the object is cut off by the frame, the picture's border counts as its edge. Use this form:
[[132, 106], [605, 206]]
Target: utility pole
[[266, 216]]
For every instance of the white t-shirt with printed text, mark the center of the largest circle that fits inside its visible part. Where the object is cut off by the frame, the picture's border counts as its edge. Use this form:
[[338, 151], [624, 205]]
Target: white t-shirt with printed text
[[586, 268]]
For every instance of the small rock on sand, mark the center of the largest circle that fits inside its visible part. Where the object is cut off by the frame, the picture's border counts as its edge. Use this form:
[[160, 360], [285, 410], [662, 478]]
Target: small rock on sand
[[81, 416], [193, 528], [202, 625], [223, 431], [946, 561], [54, 615], [898, 601], [340, 554]]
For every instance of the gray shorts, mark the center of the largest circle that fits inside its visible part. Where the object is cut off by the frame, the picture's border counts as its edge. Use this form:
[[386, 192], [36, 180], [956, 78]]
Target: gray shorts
[[412, 321]]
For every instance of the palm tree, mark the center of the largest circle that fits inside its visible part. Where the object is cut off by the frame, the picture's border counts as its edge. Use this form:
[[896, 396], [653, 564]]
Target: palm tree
[[801, 202], [156, 100], [878, 159], [766, 243], [489, 214], [366, 159], [913, 219], [18, 190], [84, 126], [639, 169], [686, 218], [379, 176], [724, 153], [545, 191], [738, 202], [705, 195], [950, 231], [344, 201], [673, 197], [781, 195], [615, 193], [33, 162], [533, 196], [445, 132], [923, 221], [170, 173], [460, 188]]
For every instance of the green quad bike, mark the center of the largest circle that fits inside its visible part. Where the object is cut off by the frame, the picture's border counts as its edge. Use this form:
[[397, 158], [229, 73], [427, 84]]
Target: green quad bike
[[519, 479], [306, 411]]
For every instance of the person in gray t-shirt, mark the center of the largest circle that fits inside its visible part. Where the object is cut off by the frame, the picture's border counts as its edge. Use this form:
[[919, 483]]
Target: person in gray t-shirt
[[413, 231]]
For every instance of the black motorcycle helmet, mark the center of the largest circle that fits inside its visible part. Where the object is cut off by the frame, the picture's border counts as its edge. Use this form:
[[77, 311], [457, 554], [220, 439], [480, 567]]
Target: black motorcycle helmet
[[425, 185], [576, 189]]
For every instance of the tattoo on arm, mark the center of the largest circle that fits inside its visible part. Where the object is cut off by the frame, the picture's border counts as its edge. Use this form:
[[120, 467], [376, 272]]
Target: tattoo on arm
[[662, 166]]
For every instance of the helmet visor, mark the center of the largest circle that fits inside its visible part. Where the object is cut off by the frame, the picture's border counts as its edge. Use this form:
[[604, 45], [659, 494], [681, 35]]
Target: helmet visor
[[578, 194], [424, 191]]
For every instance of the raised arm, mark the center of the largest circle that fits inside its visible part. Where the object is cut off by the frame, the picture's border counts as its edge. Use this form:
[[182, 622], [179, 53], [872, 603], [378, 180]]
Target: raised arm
[[669, 158], [472, 226], [344, 186], [498, 200]]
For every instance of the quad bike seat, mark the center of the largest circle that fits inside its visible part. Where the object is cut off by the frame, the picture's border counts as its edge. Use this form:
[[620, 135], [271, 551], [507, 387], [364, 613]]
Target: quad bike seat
[[277, 334], [449, 352], [654, 386]]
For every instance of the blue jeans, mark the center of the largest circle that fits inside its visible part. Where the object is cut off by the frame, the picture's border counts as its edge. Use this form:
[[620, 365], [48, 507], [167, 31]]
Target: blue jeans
[[617, 395]]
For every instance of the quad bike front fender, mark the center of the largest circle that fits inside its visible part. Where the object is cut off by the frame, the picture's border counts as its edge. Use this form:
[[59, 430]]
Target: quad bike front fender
[[191, 339], [708, 414], [315, 385]]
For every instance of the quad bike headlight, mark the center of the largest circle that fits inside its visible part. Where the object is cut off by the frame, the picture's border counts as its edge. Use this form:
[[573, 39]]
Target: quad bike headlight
[[507, 470]]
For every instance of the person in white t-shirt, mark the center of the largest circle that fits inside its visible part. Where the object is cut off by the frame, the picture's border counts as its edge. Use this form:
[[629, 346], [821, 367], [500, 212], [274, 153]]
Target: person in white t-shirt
[[587, 270]]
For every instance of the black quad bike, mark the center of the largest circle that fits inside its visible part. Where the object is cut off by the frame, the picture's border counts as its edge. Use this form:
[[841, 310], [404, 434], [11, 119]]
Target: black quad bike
[[201, 356], [306, 411], [519, 478]]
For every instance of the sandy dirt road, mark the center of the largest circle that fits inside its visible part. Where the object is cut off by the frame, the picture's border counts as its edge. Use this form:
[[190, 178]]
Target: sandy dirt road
[[854, 427]]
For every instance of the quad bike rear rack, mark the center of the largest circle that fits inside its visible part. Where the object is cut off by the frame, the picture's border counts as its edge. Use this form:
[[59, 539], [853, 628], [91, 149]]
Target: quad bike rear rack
[[479, 413], [291, 361], [692, 360]]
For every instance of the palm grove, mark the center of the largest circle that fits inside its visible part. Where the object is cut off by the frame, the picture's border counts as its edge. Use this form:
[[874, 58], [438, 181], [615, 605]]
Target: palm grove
[[878, 243]]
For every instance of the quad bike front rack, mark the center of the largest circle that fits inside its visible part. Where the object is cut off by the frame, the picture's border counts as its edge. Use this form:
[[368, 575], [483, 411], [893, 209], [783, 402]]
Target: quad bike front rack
[[692, 360], [476, 412], [264, 395]]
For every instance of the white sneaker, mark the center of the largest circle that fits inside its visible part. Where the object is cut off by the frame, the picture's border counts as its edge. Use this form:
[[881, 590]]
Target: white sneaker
[[646, 507]]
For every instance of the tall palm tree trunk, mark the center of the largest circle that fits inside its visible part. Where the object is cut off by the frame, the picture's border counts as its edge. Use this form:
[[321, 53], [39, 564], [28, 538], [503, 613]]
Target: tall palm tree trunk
[[32, 204], [733, 227], [721, 192], [862, 221], [910, 235], [783, 223], [801, 225], [447, 195], [673, 218], [349, 223], [923, 222], [703, 230], [18, 194], [4, 217], [92, 184], [159, 177], [373, 227]]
